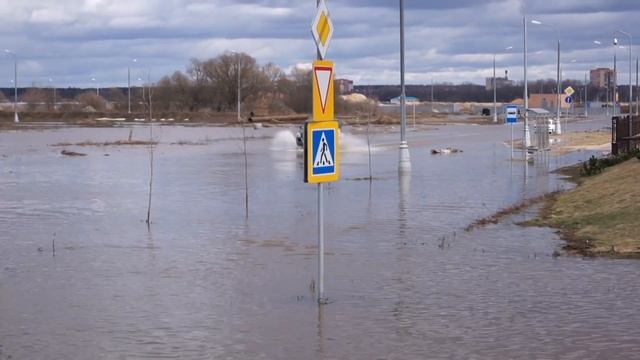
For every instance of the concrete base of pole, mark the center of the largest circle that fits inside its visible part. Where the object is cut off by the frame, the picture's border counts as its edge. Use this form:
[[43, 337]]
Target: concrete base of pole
[[405, 158], [527, 138], [495, 118], [15, 118], [558, 127]]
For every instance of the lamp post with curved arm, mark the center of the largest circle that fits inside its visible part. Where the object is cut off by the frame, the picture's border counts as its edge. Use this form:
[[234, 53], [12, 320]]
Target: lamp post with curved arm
[[615, 42], [558, 81]]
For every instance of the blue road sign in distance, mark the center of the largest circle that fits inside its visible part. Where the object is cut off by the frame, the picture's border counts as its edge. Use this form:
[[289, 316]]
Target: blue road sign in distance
[[512, 114], [568, 100]]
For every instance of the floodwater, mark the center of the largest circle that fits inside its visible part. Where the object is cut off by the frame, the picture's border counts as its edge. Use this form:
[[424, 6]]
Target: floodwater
[[404, 279]]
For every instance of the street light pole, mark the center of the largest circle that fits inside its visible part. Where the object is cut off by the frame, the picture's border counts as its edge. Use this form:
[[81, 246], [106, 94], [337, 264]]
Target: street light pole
[[495, 88], [97, 86], [405, 157], [628, 35], [586, 98], [495, 103], [15, 85], [615, 76], [526, 142], [432, 95], [558, 79], [129, 84], [54, 93], [637, 97], [558, 97]]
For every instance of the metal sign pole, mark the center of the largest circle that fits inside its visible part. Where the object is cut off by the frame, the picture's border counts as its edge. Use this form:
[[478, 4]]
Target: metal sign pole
[[320, 226], [320, 243], [512, 142]]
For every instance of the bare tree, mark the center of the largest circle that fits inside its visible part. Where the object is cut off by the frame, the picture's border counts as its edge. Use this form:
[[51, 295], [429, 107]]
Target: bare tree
[[89, 98], [35, 98]]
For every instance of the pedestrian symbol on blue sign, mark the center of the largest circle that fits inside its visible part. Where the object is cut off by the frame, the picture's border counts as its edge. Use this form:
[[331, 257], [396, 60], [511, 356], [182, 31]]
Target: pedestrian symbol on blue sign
[[323, 148]]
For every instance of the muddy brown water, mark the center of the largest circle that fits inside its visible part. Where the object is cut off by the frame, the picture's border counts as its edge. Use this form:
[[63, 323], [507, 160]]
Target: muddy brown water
[[405, 280]]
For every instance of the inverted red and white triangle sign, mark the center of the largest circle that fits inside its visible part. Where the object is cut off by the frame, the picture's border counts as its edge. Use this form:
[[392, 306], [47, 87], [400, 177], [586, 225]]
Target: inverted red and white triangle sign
[[323, 79]]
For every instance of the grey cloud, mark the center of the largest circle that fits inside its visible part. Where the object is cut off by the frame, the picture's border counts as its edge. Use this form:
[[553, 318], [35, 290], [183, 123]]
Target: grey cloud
[[454, 41]]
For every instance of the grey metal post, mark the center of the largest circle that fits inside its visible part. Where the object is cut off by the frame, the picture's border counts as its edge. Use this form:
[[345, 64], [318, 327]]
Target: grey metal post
[[414, 114], [129, 88], [558, 98], [586, 97], [431, 95], [321, 298], [630, 83], [525, 140], [615, 81], [637, 97], [615, 42], [405, 158], [15, 85], [15, 88], [495, 105], [244, 140]]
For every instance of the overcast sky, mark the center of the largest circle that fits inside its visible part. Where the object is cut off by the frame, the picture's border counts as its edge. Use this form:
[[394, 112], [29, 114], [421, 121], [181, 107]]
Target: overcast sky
[[73, 41]]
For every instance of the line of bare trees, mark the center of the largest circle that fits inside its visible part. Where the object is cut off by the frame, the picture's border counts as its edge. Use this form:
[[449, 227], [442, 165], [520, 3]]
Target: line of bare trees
[[212, 85], [209, 85]]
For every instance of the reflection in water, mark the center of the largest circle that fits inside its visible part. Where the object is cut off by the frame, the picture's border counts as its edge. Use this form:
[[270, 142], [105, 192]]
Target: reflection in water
[[404, 179], [321, 335]]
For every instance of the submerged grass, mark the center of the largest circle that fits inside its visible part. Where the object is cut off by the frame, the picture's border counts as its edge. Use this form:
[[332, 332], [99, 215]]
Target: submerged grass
[[108, 143]]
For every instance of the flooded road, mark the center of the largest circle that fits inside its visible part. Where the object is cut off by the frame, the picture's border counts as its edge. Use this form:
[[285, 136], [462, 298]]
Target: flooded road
[[405, 280]]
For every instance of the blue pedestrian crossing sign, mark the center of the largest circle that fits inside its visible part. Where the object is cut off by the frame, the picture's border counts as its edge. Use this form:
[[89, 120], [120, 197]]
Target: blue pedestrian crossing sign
[[321, 151]]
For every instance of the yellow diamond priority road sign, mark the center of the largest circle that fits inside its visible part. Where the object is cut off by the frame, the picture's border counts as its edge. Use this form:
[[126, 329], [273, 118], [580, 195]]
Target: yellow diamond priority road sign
[[322, 29], [569, 91]]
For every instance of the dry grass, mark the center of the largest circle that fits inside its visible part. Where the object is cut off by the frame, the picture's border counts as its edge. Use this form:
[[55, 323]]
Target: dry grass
[[579, 141], [600, 216]]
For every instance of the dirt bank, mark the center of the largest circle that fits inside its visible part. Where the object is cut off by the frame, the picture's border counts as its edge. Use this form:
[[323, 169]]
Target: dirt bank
[[600, 216]]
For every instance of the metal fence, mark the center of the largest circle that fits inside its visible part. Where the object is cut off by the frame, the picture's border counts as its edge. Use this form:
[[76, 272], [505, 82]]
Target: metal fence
[[625, 134]]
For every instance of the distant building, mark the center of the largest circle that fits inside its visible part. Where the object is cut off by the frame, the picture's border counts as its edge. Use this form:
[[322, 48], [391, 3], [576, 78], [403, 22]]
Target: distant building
[[602, 78], [500, 81], [344, 86], [547, 101]]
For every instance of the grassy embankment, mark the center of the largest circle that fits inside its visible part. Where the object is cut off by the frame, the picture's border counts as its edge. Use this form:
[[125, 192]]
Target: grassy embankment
[[601, 216]]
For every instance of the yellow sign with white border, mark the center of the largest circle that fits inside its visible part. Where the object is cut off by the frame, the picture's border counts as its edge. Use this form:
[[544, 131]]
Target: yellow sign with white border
[[323, 91], [321, 152]]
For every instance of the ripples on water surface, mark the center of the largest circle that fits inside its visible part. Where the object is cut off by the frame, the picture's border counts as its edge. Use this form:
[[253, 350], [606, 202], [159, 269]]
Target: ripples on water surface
[[406, 281]]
